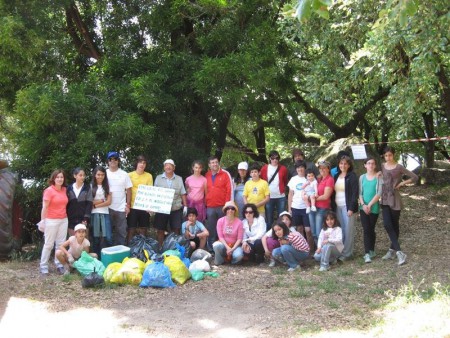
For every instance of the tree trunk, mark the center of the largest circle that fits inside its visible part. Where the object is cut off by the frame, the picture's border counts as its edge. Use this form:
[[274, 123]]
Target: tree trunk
[[429, 146]]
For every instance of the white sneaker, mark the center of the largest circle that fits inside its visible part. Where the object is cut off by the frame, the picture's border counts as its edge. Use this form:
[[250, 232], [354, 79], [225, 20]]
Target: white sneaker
[[322, 268], [367, 258], [272, 263], [389, 255], [313, 209], [308, 210], [293, 269], [401, 258]]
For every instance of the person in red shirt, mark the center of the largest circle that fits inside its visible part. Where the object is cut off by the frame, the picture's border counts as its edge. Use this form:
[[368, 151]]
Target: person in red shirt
[[219, 190]]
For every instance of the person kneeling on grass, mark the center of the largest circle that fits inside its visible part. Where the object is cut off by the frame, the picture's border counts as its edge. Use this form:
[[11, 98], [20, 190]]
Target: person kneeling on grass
[[329, 245], [293, 246], [76, 244], [194, 231]]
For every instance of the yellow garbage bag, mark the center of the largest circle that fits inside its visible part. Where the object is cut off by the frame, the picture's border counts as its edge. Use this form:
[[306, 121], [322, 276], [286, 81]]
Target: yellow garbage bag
[[130, 272], [110, 271], [178, 270]]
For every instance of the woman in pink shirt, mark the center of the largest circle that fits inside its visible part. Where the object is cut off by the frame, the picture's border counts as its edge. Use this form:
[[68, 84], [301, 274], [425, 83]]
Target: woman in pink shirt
[[325, 188], [231, 233], [54, 218], [196, 190]]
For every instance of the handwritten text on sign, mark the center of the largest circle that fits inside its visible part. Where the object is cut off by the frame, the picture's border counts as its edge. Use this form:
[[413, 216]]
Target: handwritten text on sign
[[154, 199]]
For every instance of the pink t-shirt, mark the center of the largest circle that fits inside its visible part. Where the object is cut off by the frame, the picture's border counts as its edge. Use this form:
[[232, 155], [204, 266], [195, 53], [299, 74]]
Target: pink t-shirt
[[58, 202], [230, 232], [195, 185], [323, 183]]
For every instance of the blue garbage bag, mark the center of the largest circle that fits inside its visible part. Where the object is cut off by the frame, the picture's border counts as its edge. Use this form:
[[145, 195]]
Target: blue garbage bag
[[157, 275]]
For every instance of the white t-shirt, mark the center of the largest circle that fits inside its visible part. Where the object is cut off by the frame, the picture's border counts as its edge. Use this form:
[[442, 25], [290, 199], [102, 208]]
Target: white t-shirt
[[274, 186], [119, 181], [100, 195], [339, 187], [296, 185]]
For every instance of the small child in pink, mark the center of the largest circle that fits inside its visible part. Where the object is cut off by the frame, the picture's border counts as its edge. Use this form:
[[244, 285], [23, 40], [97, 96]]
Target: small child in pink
[[309, 192], [196, 190]]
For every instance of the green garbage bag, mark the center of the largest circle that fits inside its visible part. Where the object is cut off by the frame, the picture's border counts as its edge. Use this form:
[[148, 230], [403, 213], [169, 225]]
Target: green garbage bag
[[197, 275], [212, 274], [87, 264]]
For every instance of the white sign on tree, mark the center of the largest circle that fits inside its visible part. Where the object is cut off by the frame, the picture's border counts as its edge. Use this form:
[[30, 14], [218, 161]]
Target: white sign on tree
[[155, 199]]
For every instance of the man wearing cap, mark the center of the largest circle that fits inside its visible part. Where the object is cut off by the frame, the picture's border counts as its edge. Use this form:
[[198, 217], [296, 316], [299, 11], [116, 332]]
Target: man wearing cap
[[298, 155], [170, 180], [219, 191], [120, 189]]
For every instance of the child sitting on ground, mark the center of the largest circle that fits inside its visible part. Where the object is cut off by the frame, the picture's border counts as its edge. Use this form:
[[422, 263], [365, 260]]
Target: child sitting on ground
[[194, 230], [76, 244], [310, 192], [330, 245]]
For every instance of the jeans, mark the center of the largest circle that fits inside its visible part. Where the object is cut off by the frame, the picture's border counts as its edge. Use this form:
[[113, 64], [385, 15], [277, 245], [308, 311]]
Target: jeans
[[274, 203], [391, 220], [220, 253], [212, 216], [287, 253], [328, 253], [55, 234], [119, 223], [316, 221], [101, 227], [348, 230], [368, 223]]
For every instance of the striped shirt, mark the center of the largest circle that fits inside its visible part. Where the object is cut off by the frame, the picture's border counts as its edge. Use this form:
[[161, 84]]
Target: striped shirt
[[298, 242]]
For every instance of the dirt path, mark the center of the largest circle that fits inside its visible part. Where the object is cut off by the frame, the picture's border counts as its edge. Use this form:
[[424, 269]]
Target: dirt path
[[245, 301]]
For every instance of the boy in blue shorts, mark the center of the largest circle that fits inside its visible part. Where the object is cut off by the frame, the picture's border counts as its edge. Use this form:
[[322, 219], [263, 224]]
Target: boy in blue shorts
[[194, 230]]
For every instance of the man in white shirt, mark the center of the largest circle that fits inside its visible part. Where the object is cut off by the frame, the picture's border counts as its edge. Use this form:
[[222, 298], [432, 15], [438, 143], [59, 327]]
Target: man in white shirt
[[120, 188]]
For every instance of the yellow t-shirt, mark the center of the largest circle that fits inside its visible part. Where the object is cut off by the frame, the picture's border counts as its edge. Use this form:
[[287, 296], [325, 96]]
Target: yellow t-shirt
[[145, 178], [255, 192]]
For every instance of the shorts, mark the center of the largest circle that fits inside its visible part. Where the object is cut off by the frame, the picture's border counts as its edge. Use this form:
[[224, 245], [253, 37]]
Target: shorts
[[138, 219], [196, 240], [174, 219], [300, 217]]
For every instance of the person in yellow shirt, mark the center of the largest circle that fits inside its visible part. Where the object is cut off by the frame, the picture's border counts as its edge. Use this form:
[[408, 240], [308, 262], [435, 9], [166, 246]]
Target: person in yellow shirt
[[138, 220], [256, 190]]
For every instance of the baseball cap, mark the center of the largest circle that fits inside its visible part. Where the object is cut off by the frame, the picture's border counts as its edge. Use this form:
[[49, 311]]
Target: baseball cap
[[169, 161], [79, 227], [284, 213], [243, 165], [113, 154]]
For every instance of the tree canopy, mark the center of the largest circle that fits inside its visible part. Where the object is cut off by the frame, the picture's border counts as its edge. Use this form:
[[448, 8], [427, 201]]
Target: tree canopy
[[185, 79]]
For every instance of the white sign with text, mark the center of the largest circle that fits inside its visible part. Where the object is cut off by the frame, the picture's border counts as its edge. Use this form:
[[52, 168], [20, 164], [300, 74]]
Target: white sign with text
[[359, 152], [154, 199]]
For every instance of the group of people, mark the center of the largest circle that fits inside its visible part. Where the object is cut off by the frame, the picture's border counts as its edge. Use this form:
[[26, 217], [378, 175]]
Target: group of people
[[267, 212]]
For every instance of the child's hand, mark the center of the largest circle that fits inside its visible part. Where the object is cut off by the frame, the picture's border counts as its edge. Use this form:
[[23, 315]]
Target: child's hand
[[283, 241], [267, 254], [318, 251], [70, 259]]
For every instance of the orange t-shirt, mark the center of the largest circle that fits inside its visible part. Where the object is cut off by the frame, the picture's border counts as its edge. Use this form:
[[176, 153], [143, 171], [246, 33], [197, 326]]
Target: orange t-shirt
[[58, 202]]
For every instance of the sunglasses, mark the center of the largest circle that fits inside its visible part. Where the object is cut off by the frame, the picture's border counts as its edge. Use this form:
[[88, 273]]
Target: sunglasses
[[113, 159], [230, 208], [274, 158], [249, 211]]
